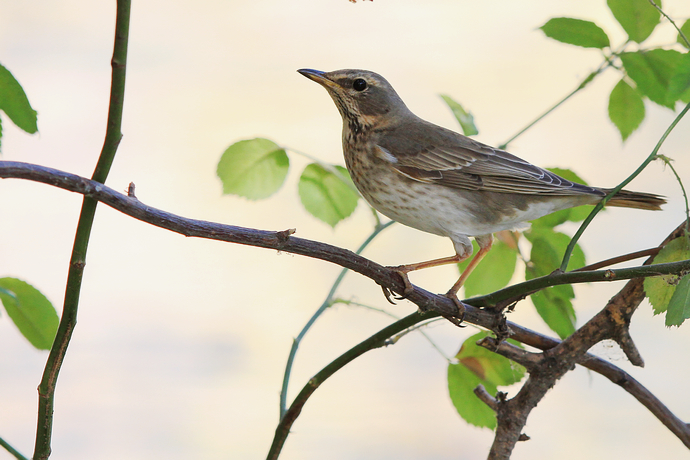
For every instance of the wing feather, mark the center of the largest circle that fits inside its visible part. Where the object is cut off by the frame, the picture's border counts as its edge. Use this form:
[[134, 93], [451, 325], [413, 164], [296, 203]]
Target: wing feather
[[428, 153]]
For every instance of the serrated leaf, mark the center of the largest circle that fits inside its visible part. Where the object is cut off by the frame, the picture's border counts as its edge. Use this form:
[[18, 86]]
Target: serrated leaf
[[626, 108], [325, 195], [554, 303], [679, 85], [555, 308], [493, 272], [660, 289], [652, 71], [478, 365], [637, 17], [254, 168], [15, 104], [576, 32], [557, 243], [679, 305], [31, 312], [685, 28], [465, 118]]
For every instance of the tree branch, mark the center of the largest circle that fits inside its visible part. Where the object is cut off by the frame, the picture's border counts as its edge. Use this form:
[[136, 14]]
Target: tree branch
[[284, 241], [438, 304], [611, 323]]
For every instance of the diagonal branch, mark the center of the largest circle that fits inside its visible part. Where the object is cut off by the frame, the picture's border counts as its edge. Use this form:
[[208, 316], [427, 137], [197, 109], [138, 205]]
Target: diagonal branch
[[284, 241]]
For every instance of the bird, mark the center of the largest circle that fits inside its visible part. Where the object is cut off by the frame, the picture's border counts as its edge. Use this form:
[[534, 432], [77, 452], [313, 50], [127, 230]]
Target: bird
[[438, 181]]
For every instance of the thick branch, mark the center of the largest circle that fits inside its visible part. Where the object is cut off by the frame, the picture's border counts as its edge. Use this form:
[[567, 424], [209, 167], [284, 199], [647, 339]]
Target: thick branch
[[611, 323]]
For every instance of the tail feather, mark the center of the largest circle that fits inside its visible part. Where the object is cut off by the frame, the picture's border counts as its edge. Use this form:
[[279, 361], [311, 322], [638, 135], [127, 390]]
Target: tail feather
[[637, 200]]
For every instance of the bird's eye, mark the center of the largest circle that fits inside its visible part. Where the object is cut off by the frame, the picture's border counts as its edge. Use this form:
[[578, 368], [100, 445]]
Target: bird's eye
[[359, 84]]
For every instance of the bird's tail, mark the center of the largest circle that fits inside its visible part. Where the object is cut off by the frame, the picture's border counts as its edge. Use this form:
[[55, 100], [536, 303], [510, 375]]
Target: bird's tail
[[638, 200]]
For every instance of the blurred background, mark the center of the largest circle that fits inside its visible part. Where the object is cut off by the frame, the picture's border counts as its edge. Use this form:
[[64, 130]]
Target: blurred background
[[181, 343]]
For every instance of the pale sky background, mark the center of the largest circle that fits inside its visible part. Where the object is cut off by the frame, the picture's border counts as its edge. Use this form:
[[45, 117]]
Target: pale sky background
[[181, 343]]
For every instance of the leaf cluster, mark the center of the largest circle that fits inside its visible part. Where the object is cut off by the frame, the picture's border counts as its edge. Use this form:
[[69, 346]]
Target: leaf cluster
[[257, 168], [658, 74]]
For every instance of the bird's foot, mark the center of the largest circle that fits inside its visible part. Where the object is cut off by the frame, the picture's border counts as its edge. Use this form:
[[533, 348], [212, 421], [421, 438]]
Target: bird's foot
[[409, 289], [460, 316]]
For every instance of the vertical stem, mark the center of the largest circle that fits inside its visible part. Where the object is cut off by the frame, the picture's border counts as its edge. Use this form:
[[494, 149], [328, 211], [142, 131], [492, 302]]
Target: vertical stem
[[619, 187], [46, 389]]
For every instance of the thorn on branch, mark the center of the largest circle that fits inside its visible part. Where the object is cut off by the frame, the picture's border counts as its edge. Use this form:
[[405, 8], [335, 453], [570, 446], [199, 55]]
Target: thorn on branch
[[284, 235], [130, 191], [523, 437]]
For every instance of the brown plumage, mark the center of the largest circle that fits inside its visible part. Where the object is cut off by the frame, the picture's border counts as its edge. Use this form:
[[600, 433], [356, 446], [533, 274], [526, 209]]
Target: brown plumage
[[438, 181]]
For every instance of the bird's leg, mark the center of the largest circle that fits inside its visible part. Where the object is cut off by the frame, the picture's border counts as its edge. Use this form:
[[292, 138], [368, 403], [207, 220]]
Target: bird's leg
[[485, 243], [403, 270]]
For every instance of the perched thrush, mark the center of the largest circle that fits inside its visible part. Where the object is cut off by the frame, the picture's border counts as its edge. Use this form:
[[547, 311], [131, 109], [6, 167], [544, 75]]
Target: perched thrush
[[441, 182]]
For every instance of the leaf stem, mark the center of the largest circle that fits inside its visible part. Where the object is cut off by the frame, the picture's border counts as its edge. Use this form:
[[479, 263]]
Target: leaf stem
[[326, 303], [680, 32], [396, 317], [668, 161], [12, 450], [46, 389], [588, 79], [375, 341], [328, 167], [652, 156]]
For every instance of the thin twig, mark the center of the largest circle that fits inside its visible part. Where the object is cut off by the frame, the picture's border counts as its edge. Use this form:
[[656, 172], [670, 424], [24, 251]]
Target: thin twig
[[326, 304], [619, 259], [652, 156], [485, 397], [586, 81], [12, 450], [46, 389], [680, 32]]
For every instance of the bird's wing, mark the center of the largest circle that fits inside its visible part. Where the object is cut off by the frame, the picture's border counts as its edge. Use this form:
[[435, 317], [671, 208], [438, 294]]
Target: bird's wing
[[428, 153]]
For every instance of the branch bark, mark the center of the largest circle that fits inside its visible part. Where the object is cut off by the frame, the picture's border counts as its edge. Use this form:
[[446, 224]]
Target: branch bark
[[611, 323], [547, 367]]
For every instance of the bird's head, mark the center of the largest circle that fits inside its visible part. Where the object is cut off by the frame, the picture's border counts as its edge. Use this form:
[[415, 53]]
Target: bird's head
[[363, 97]]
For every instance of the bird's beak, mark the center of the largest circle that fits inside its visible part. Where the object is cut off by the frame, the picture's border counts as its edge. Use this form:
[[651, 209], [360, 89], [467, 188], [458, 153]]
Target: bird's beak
[[319, 77]]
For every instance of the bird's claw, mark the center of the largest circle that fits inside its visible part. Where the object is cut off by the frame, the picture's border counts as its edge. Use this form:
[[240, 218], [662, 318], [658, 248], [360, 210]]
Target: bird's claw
[[408, 289], [457, 320]]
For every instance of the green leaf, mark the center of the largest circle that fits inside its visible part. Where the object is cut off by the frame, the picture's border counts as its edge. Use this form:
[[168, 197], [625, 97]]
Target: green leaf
[[558, 243], [254, 168], [493, 272], [31, 312], [679, 85], [637, 17], [660, 289], [327, 196], [626, 108], [679, 305], [15, 104], [576, 32], [685, 28], [555, 308], [652, 71], [478, 365], [465, 118], [554, 303]]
